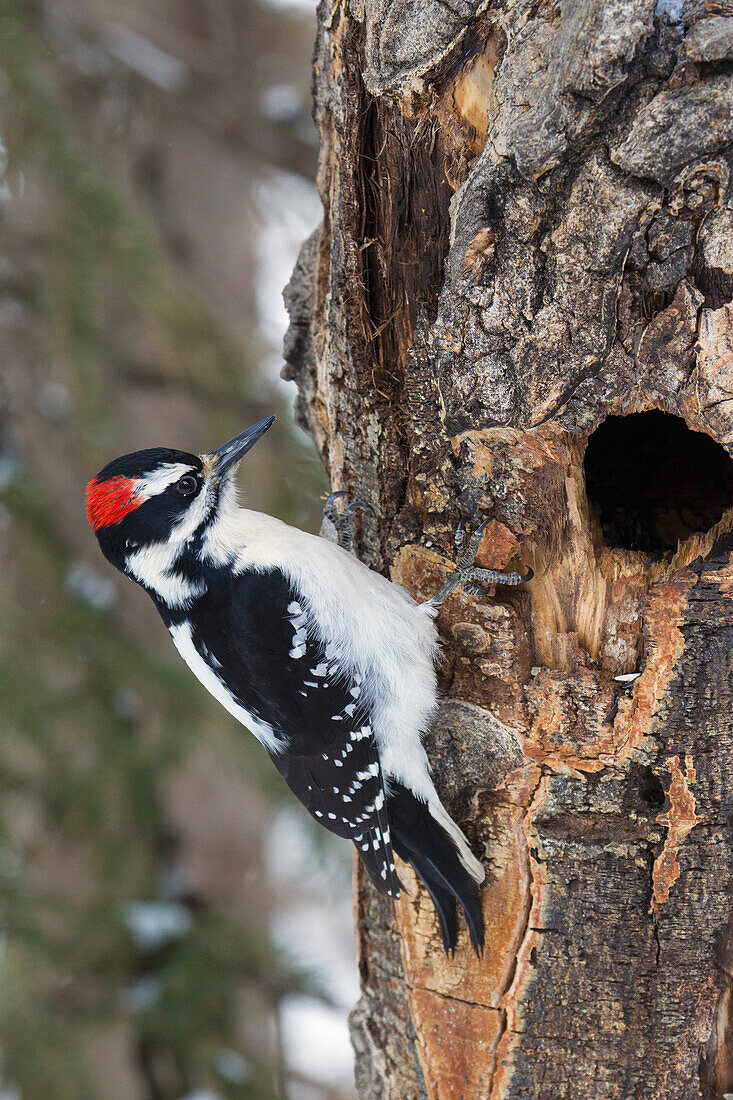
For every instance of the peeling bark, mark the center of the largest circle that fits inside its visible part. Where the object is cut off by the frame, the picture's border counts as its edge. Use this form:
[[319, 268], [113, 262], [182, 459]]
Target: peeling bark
[[527, 229]]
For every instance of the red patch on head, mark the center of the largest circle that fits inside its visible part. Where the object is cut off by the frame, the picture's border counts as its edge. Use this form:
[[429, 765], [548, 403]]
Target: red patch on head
[[108, 501]]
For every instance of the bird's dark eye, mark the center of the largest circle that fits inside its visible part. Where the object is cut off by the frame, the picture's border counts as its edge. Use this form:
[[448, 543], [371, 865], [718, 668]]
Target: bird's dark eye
[[187, 485]]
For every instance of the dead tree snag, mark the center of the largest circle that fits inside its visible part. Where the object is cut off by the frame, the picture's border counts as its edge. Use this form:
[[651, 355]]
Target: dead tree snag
[[519, 306]]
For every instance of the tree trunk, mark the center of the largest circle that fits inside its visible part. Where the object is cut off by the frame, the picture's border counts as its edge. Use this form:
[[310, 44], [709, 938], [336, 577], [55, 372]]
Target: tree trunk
[[527, 230]]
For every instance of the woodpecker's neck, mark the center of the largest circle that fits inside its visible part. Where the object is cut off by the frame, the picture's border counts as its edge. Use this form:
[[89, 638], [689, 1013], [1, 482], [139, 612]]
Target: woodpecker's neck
[[172, 575]]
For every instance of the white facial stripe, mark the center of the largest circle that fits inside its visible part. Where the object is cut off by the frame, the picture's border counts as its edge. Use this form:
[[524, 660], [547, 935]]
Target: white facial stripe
[[183, 641], [152, 565], [160, 479], [193, 517]]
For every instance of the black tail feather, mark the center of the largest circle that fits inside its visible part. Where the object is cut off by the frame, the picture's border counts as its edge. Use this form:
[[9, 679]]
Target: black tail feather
[[445, 909], [420, 840]]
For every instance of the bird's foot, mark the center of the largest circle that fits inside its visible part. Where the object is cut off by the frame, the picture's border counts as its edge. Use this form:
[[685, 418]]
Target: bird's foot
[[469, 576], [338, 515]]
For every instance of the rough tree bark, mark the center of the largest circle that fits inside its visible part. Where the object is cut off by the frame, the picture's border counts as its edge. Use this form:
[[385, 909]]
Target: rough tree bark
[[528, 227]]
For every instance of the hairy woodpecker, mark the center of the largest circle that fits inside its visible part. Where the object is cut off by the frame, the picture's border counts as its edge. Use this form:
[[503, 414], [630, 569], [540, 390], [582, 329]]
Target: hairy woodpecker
[[330, 665]]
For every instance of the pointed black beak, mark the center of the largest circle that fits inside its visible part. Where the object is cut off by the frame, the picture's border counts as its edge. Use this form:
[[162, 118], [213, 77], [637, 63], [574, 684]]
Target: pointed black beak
[[229, 454]]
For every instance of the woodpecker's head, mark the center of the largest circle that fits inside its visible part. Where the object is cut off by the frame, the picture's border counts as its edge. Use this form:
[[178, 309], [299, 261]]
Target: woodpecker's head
[[149, 508]]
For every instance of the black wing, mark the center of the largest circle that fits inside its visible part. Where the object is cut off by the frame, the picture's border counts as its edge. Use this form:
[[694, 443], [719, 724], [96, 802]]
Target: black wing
[[258, 635]]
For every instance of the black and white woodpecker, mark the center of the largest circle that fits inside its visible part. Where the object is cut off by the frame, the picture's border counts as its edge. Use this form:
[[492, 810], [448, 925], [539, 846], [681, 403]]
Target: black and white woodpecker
[[330, 665]]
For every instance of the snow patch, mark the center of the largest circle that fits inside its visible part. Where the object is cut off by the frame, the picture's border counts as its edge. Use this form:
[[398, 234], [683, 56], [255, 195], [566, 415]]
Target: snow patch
[[671, 8], [281, 102], [92, 587], [141, 996], [313, 926], [289, 209], [144, 57], [233, 1067], [313, 1039], [292, 5], [153, 923]]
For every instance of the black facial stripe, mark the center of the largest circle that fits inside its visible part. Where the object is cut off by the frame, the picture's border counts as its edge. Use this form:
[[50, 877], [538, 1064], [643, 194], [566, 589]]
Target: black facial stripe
[[215, 493], [194, 544], [189, 564]]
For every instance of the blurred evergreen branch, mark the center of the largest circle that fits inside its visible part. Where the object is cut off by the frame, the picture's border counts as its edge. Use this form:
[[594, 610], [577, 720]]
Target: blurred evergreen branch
[[101, 250], [94, 722]]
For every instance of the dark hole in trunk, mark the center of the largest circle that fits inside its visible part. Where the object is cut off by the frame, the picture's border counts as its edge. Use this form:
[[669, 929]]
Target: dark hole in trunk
[[651, 788], [652, 482]]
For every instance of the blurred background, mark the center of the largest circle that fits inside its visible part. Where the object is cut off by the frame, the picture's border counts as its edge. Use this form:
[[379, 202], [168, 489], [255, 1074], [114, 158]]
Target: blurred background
[[172, 926]]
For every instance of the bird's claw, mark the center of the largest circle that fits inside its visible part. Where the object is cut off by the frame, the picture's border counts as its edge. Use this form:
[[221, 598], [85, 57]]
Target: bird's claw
[[493, 576], [468, 547], [468, 576], [351, 508], [342, 519], [460, 540], [335, 495]]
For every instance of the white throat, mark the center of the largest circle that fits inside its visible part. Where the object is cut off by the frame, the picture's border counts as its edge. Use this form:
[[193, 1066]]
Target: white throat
[[154, 565]]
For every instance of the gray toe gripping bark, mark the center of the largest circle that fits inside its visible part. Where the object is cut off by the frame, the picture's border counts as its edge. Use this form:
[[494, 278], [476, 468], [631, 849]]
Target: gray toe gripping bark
[[466, 575]]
